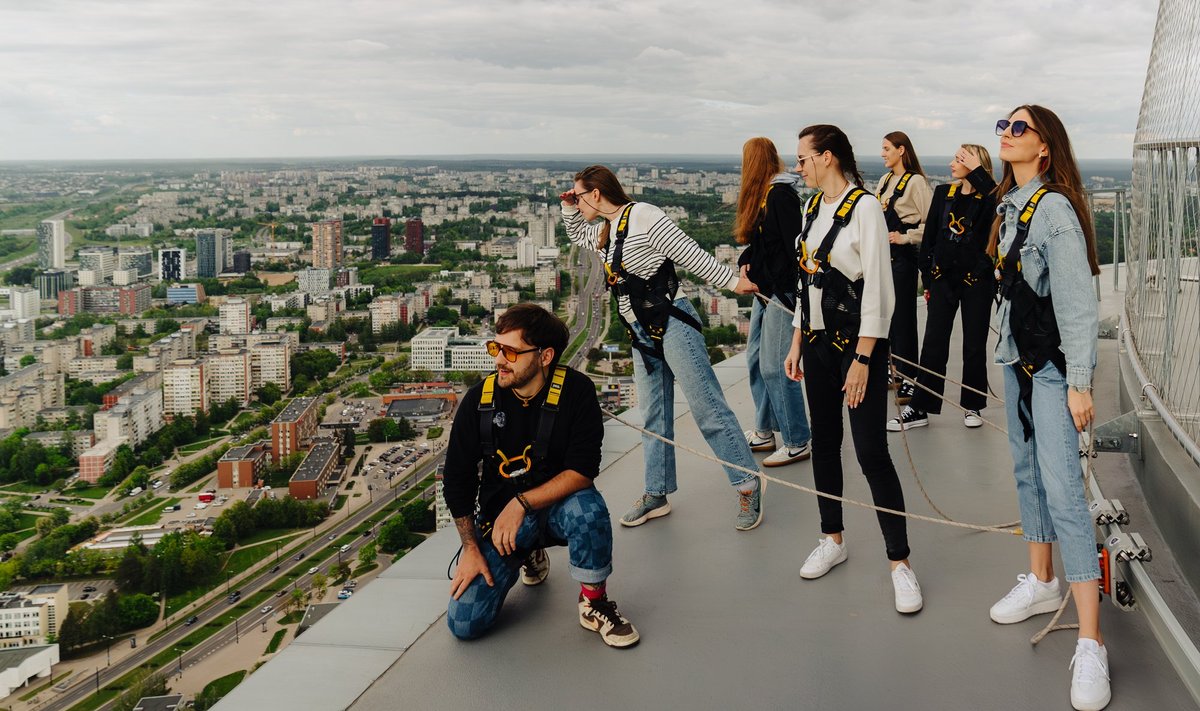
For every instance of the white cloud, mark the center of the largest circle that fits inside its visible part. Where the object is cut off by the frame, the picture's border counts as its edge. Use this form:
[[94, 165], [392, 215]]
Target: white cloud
[[531, 76]]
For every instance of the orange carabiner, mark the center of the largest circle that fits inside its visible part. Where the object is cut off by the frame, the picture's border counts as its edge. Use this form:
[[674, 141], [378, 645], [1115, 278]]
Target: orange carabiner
[[522, 458], [804, 260], [956, 225]]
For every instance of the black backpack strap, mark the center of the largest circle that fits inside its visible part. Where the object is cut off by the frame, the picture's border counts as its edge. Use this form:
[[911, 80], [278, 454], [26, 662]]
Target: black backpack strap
[[1009, 265]]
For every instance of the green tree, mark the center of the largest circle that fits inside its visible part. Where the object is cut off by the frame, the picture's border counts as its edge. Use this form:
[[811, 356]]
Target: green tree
[[28, 360], [367, 554], [125, 361], [269, 393], [164, 326], [137, 611], [393, 535]]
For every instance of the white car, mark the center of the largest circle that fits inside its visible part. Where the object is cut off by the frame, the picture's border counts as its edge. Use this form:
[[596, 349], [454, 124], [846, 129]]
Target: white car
[[312, 570]]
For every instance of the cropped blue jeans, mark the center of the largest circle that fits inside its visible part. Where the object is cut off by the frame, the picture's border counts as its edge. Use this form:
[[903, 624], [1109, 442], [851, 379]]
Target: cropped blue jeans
[[778, 400]]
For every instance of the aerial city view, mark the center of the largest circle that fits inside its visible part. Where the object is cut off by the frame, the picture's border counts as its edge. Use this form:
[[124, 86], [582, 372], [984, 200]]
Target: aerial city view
[[321, 329]]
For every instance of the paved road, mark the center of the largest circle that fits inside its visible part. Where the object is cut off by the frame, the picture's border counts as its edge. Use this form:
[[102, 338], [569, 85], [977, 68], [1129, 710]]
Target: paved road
[[342, 523], [591, 300]]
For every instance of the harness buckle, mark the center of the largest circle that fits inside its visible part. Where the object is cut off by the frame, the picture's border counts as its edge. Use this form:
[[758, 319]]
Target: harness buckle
[[956, 225], [522, 458]]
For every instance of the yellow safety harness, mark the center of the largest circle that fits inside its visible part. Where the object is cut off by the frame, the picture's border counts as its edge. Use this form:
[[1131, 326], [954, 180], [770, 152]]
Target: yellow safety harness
[[521, 465]]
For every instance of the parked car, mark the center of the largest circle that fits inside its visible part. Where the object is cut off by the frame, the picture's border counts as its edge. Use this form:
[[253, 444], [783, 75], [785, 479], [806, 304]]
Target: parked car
[[85, 596], [344, 595], [352, 584], [89, 588]]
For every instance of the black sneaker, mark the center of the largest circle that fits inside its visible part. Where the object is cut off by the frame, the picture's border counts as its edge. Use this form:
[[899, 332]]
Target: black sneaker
[[601, 615], [905, 394], [908, 419]]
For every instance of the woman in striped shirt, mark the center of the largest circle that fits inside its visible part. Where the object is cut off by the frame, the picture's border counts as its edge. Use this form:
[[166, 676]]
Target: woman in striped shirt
[[640, 246]]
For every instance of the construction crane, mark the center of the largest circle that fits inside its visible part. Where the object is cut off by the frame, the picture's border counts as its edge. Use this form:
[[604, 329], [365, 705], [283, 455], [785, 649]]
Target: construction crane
[[272, 225]]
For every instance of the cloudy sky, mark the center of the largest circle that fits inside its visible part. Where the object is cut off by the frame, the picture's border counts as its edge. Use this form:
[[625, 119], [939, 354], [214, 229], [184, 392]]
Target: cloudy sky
[[83, 79]]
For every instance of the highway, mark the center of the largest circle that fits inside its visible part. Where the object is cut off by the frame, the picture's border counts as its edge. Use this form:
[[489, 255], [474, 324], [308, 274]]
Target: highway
[[85, 684], [591, 301]]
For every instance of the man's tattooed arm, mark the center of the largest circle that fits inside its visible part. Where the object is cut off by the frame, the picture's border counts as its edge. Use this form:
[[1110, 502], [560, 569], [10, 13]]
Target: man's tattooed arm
[[466, 531]]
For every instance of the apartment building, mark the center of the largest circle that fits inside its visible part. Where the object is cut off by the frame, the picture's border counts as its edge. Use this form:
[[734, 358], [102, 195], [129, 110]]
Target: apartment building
[[235, 316], [294, 428], [241, 467], [313, 474], [185, 387], [230, 376], [135, 417], [96, 461]]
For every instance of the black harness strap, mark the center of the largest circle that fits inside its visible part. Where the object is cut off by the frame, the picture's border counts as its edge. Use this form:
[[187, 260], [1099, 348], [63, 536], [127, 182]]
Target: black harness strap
[[841, 299], [652, 300], [1031, 317], [533, 454], [956, 235]]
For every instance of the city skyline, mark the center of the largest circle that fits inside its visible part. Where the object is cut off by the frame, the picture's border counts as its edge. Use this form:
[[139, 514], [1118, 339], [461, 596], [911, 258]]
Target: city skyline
[[186, 80]]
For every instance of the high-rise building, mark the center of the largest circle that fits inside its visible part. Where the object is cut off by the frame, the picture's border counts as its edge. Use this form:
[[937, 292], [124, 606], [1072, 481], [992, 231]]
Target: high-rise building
[[51, 282], [381, 239], [229, 376], [52, 244], [235, 316], [137, 259], [211, 248], [441, 349], [541, 230], [96, 265], [241, 262], [172, 264], [295, 426], [314, 281], [135, 417], [385, 310], [185, 387], [327, 244], [414, 236], [270, 362], [23, 302]]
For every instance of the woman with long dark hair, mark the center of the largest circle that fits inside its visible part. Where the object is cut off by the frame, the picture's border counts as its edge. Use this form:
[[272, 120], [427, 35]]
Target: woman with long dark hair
[[769, 217], [841, 334], [640, 246], [957, 271], [1045, 243], [904, 194]]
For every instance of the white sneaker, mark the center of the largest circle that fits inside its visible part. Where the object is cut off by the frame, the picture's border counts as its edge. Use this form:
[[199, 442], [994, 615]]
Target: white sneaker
[[1029, 597], [908, 591], [1090, 690], [972, 419], [787, 455], [827, 554], [760, 442]]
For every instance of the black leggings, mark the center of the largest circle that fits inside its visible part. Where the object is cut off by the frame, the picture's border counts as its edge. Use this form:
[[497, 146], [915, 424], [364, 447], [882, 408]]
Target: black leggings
[[903, 334], [946, 295], [825, 371]]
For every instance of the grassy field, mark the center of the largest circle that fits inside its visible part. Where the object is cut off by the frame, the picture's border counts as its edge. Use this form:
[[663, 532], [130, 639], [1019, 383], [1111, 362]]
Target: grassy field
[[152, 516], [147, 504], [21, 487], [197, 446], [276, 640], [92, 492], [270, 533], [39, 689], [243, 558], [224, 685]]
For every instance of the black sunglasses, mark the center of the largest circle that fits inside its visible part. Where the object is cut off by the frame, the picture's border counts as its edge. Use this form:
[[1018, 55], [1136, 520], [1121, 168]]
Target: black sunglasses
[[1018, 128], [510, 354]]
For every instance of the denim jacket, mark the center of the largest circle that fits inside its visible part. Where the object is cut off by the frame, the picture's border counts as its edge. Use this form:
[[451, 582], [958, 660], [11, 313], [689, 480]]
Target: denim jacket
[[1053, 261]]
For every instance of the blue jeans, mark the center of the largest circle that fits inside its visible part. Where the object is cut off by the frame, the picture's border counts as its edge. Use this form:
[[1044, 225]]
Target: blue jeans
[[581, 520], [686, 362], [1048, 473], [778, 400]]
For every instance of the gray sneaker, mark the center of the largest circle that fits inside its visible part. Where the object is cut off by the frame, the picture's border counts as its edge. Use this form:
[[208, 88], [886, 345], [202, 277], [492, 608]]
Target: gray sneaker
[[750, 514], [647, 506]]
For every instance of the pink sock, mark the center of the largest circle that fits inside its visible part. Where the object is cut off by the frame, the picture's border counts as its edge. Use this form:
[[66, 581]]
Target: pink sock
[[592, 593]]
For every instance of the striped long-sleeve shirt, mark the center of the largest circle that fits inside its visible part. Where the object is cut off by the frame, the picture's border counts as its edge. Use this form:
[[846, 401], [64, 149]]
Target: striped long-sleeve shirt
[[652, 239]]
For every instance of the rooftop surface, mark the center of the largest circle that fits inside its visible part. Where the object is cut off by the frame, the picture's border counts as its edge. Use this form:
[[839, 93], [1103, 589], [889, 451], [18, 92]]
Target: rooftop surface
[[316, 461], [726, 621], [295, 409]]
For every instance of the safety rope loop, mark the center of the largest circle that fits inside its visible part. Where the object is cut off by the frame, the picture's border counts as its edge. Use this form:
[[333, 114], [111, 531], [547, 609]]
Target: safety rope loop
[[798, 487]]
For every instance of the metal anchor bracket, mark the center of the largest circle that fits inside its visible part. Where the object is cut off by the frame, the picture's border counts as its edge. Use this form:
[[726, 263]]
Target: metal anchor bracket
[[1108, 511], [1126, 547], [1118, 435]]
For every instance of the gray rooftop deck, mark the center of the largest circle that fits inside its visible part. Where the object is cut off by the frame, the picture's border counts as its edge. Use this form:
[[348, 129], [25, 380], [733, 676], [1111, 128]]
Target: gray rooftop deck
[[726, 621]]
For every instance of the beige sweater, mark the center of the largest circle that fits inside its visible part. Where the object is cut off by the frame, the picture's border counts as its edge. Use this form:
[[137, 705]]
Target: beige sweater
[[913, 205]]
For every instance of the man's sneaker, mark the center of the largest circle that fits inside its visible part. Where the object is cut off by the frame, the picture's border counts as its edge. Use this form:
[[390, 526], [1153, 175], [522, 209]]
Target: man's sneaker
[[750, 513], [648, 506], [1029, 597], [787, 455], [601, 615], [908, 591], [1090, 689], [536, 568], [827, 554], [909, 418], [905, 394], [972, 419], [760, 442]]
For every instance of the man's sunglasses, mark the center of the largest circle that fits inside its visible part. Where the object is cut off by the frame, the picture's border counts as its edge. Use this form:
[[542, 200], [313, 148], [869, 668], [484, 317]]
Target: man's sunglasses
[[510, 353], [1018, 128]]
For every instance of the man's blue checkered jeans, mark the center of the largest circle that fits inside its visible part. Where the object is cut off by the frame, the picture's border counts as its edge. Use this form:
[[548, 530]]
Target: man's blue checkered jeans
[[581, 520]]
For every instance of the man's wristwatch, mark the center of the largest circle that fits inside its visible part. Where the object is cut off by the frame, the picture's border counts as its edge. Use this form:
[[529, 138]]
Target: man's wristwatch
[[864, 359]]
